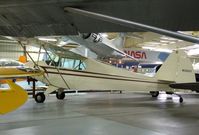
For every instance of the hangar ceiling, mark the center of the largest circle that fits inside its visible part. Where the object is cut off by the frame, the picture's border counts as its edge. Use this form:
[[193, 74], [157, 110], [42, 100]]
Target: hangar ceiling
[[153, 41], [47, 17]]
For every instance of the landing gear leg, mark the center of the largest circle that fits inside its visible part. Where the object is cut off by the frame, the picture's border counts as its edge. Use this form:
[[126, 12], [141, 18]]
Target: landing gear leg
[[154, 93], [181, 100], [180, 97]]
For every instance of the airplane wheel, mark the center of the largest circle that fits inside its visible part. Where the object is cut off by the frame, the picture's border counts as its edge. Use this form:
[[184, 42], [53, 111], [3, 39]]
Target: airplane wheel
[[60, 96], [40, 97], [181, 100], [154, 93]]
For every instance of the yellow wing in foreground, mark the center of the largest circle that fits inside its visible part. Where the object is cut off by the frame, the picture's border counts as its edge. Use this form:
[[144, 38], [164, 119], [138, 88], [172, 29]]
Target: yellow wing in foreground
[[13, 98]]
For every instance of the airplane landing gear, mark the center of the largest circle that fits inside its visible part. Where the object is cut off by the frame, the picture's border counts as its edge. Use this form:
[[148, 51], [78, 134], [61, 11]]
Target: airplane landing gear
[[40, 97], [154, 93], [60, 95], [180, 98]]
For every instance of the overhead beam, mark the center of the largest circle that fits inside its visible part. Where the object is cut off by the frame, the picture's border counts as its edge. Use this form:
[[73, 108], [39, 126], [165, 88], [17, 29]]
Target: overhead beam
[[132, 24]]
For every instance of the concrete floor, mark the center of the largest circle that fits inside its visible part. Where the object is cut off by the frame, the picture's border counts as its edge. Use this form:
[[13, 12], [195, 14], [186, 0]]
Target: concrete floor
[[105, 114]]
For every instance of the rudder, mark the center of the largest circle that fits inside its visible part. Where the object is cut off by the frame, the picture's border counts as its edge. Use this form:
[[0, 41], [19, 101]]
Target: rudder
[[177, 68]]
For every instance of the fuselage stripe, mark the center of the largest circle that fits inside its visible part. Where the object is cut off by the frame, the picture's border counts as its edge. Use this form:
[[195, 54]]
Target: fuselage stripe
[[101, 77], [87, 72]]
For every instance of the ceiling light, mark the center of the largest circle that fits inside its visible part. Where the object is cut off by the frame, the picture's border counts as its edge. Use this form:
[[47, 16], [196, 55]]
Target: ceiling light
[[47, 39], [104, 35], [163, 41], [9, 37], [157, 49], [61, 43], [167, 38], [179, 40], [152, 43], [193, 52], [172, 42], [196, 46], [164, 44]]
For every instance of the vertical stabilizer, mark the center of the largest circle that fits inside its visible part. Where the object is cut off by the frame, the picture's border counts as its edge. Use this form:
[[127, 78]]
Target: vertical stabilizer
[[177, 68]]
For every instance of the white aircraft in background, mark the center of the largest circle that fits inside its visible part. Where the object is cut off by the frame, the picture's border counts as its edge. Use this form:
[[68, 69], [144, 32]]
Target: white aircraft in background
[[67, 70], [99, 45]]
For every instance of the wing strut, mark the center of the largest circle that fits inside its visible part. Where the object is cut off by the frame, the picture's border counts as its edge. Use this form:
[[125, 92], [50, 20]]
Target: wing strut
[[132, 24]]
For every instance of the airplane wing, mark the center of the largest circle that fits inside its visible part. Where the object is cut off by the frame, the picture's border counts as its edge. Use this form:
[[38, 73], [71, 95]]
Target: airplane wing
[[18, 72], [131, 24], [29, 18], [190, 86]]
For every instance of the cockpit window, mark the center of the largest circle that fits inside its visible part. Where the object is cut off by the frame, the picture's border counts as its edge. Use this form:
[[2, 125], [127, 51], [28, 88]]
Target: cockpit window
[[75, 64], [72, 64]]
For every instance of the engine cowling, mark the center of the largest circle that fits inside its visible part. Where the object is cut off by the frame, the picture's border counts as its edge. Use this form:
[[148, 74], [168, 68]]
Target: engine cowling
[[92, 37]]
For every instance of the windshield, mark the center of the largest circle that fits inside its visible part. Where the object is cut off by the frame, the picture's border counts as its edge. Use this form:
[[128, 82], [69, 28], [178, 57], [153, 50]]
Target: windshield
[[55, 60]]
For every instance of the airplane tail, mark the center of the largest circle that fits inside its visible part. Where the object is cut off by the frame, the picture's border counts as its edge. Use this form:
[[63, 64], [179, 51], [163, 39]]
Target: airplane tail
[[177, 68]]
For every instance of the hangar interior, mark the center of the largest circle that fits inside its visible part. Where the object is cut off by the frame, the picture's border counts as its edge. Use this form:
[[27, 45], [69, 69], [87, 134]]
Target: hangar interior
[[69, 68]]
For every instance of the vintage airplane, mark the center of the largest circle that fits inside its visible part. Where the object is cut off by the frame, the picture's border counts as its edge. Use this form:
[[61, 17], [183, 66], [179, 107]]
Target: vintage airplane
[[67, 70], [14, 96], [64, 19]]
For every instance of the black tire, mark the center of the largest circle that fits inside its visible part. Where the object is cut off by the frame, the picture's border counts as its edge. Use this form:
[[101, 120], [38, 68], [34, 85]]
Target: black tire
[[181, 100], [40, 97], [154, 93], [60, 96]]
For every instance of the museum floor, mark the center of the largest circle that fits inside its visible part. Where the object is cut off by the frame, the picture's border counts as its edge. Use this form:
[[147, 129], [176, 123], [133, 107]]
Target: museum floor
[[105, 114]]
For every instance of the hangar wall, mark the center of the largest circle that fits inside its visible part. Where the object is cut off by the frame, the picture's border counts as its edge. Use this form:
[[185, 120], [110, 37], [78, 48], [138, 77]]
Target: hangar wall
[[12, 50]]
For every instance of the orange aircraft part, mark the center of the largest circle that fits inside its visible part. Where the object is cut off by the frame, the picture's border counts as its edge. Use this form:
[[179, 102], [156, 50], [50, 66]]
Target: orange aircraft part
[[23, 59], [12, 98]]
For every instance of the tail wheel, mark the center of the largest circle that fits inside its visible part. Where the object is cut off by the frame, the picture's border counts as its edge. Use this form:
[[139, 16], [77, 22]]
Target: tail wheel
[[180, 99], [154, 93], [40, 97], [60, 95]]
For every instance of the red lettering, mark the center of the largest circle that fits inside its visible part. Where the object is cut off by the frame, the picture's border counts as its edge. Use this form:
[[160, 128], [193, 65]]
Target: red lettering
[[144, 55], [136, 54]]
